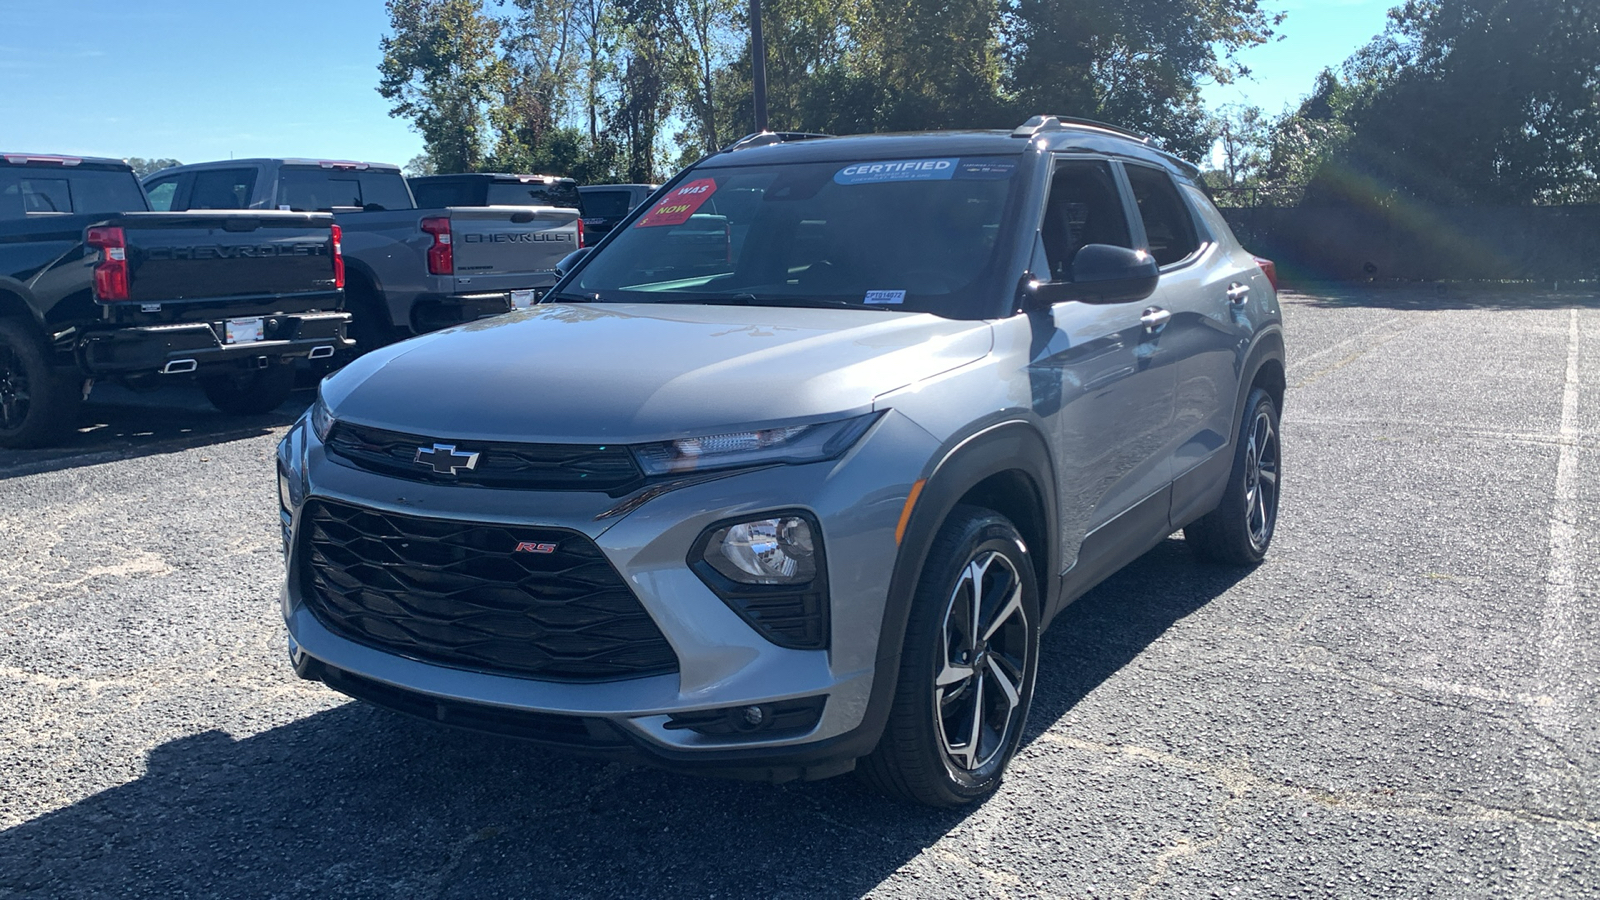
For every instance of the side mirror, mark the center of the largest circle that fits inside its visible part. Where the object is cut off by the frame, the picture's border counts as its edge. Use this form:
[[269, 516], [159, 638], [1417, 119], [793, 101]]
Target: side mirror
[[1102, 273], [571, 259]]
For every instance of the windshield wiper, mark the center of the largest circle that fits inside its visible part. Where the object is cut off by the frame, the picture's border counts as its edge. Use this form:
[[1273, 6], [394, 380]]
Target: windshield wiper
[[714, 299], [565, 297]]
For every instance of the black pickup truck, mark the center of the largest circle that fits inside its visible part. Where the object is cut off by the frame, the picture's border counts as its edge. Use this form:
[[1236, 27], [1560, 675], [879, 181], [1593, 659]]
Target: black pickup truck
[[94, 286]]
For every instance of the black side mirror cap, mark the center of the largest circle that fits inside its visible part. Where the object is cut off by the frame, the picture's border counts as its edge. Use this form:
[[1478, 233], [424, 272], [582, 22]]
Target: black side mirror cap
[[571, 260], [1101, 273]]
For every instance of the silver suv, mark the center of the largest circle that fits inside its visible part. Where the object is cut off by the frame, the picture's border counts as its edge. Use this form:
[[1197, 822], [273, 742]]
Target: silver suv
[[787, 475]]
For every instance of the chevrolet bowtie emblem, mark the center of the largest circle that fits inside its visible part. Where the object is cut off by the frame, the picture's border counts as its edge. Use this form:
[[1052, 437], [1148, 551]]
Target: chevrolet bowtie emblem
[[445, 459]]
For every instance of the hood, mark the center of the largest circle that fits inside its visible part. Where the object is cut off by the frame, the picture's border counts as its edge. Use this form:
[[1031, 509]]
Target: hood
[[588, 373]]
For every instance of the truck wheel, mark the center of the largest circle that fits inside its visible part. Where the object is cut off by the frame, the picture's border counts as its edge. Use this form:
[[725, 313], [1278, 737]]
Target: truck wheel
[[38, 403], [1240, 529], [250, 393], [967, 669]]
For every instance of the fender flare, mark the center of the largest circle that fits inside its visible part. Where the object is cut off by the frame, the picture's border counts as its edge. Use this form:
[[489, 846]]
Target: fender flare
[[965, 461]]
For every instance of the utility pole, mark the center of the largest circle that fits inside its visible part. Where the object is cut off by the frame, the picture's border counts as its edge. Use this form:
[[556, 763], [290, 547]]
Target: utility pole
[[758, 65]]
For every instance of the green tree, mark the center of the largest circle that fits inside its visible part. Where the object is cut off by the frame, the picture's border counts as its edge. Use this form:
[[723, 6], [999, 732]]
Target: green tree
[[143, 167], [443, 70], [1137, 63], [1471, 101]]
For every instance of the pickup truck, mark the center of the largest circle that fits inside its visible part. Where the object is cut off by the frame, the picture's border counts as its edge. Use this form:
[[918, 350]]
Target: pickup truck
[[95, 286], [410, 270], [604, 205]]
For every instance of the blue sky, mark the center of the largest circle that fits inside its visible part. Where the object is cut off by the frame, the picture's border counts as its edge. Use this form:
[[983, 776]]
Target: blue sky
[[198, 81]]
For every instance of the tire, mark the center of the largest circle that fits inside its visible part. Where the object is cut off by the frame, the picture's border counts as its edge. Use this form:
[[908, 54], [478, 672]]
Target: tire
[[1239, 531], [38, 401], [252, 392], [369, 326], [924, 755]]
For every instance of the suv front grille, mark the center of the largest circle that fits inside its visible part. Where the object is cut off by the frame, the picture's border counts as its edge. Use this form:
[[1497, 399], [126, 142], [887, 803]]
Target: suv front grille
[[462, 594], [537, 467]]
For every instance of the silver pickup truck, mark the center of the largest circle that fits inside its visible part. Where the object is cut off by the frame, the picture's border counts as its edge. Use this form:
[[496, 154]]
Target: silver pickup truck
[[410, 270]]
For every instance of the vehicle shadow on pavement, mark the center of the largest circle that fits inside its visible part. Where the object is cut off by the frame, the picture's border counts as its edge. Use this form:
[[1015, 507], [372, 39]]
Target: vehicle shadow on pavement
[[1444, 296], [357, 801], [117, 423]]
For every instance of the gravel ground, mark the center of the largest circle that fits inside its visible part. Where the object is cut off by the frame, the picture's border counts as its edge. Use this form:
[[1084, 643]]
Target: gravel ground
[[1403, 701]]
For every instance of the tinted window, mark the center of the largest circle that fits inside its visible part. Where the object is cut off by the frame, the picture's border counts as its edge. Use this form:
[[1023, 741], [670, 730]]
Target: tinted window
[[1085, 207], [439, 194], [162, 193], [324, 190], [563, 194], [24, 192], [222, 189], [898, 235], [1167, 224], [606, 204]]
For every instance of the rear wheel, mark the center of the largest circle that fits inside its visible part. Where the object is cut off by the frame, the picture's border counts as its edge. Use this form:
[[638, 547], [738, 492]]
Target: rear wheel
[[968, 667], [249, 392], [1239, 531], [38, 402]]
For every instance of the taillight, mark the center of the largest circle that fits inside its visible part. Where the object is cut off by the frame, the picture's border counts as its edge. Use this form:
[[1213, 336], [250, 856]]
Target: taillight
[[1269, 269], [580, 232], [338, 256], [111, 272], [441, 258]]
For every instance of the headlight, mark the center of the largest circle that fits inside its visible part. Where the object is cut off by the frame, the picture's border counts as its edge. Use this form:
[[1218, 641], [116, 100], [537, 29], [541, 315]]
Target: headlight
[[788, 444], [321, 419], [772, 571]]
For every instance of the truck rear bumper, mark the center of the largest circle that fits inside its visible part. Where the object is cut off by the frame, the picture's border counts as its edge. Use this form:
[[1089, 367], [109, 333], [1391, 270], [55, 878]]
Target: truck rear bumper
[[431, 313], [192, 346]]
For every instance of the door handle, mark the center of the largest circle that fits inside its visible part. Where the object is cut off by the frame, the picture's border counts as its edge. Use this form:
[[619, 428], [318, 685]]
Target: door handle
[[1238, 293], [1154, 319]]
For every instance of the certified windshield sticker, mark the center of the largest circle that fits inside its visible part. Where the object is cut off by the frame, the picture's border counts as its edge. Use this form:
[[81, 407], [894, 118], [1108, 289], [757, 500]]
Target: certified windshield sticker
[[982, 169], [676, 207], [896, 170], [890, 297]]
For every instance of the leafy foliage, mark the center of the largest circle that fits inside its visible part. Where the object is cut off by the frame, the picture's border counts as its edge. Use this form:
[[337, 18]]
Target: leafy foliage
[[143, 167]]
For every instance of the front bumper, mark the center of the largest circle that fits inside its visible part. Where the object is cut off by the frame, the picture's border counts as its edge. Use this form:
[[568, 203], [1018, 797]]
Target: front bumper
[[723, 662], [194, 346]]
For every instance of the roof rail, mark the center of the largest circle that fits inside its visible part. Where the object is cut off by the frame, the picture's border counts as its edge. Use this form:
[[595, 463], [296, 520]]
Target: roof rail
[[766, 138], [1039, 124]]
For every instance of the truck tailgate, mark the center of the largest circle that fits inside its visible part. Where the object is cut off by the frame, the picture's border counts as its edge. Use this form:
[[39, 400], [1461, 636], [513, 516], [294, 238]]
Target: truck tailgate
[[511, 240], [229, 256]]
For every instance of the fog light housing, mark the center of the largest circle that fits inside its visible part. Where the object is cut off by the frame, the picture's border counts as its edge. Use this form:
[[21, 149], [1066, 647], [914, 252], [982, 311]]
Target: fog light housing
[[770, 570], [785, 717]]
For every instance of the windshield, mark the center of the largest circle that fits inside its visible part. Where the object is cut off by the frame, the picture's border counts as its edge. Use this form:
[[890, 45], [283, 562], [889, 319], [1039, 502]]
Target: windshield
[[914, 235]]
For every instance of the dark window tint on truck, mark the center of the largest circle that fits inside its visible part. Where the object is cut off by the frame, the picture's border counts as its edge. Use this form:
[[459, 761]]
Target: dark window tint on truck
[[508, 194], [326, 190], [440, 194], [606, 204], [24, 192], [222, 189]]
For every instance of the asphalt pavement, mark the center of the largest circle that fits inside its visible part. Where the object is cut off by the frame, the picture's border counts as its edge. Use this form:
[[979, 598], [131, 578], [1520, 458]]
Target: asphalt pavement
[[1403, 701]]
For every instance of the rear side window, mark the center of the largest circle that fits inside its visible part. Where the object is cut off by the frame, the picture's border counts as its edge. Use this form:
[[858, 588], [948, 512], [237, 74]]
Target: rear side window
[[533, 194], [162, 194], [327, 190], [26, 193], [606, 204], [439, 194], [1168, 227], [222, 189]]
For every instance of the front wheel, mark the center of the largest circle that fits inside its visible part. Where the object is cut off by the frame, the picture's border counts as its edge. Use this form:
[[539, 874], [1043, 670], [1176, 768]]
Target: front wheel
[[252, 392], [967, 669], [1240, 529]]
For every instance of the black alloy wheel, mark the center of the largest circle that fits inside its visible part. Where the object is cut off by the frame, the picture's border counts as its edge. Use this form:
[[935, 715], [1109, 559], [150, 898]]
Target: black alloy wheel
[[967, 669], [38, 402], [1239, 531]]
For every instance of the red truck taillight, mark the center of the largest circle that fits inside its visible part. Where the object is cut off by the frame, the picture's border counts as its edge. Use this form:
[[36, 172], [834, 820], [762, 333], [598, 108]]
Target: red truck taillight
[[111, 272], [441, 258], [338, 256], [580, 232]]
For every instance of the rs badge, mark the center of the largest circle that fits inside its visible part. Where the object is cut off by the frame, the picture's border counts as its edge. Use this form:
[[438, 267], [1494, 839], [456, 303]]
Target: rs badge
[[531, 547]]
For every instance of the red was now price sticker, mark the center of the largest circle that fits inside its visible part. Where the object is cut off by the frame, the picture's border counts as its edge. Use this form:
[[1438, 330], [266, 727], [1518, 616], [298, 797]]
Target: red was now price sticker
[[676, 207]]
